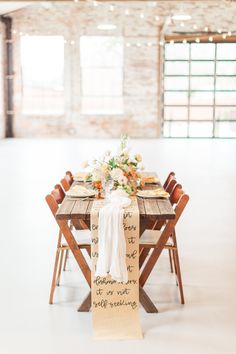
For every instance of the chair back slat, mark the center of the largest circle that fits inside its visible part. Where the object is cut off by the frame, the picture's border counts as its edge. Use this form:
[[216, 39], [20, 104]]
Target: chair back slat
[[67, 181], [58, 193], [169, 188], [170, 176]]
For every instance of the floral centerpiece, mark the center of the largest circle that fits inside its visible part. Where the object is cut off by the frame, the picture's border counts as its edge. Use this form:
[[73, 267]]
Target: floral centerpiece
[[120, 170]]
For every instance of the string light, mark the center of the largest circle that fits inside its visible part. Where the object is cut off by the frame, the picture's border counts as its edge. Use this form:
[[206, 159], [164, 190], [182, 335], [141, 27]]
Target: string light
[[197, 40], [149, 44], [219, 30], [206, 29], [72, 42], [172, 41], [14, 31], [182, 24], [184, 41], [157, 18], [229, 33], [76, 0], [111, 8], [224, 36], [195, 27], [127, 12], [210, 39], [161, 43], [128, 44], [141, 16], [138, 44], [95, 4]]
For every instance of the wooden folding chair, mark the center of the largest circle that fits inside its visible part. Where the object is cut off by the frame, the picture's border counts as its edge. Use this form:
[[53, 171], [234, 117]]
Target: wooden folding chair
[[54, 200], [67, 181], [157, 240]]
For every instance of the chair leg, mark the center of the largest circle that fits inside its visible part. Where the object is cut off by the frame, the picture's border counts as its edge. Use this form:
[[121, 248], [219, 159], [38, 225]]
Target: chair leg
[[60, 267], [53, 286], [170, 259], [65, 260], [179, 277]]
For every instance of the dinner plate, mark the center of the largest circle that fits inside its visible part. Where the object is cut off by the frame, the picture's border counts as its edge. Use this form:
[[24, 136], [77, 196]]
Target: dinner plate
[[80, 192], [153, 194]]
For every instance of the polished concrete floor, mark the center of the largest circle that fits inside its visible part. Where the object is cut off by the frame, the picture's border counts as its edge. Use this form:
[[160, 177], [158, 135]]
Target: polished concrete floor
[[207, 242]]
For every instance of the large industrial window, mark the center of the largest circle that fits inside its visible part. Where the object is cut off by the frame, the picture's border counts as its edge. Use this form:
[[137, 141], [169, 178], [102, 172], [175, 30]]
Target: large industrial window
[[42, 64], [101, 60], [199, 90]]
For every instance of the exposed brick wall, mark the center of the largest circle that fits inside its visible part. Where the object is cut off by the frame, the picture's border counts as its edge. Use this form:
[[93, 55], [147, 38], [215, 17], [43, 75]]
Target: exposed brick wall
[[142, 115]]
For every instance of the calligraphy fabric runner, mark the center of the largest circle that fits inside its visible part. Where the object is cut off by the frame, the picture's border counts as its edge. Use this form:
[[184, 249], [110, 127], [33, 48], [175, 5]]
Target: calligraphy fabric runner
[[115, 306]]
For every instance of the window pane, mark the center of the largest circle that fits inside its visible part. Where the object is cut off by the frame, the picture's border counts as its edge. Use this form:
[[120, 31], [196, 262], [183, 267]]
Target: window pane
[[226, 83], [175, 129], [176, 98], [42, 75], [101, 51], [226, 129], [225, 98], [177, 51], [102, 82], [176, 113], [176, 83], [201, 98], [200, 129], [202, 51], [226, 51], [201, 113], [202, 83], [101, 59], [102, 105], [202, 68], [226, 68], [225, 113], [176, 68]]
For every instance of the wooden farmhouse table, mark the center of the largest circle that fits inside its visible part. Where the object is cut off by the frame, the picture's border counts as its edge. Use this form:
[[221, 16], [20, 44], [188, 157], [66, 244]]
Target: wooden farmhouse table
[[77, 212]]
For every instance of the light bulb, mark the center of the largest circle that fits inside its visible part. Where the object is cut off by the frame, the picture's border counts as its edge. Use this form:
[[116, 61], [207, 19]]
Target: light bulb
[[172, 41], [141, 16], [229, 33], [128, 44], [224, 36], [210, 39], [194, 26], [138, 44], [149, 44], [157, 18], [127, 12], [206, 29], [111, 8], [219, 30], [197, 40], [182, 24], [184, 41], [161, 43]]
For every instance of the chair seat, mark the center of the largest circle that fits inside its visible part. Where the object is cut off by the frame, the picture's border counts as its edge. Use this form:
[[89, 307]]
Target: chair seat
[[150, 237], [82, 237]]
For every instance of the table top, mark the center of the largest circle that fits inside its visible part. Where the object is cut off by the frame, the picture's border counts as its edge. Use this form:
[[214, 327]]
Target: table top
[[149, 208]]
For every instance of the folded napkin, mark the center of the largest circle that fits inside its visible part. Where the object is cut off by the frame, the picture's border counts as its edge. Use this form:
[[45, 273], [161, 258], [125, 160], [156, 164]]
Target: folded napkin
[[111, 238]]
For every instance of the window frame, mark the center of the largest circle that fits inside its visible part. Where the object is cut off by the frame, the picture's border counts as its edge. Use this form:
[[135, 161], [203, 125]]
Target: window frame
[[188, 91]]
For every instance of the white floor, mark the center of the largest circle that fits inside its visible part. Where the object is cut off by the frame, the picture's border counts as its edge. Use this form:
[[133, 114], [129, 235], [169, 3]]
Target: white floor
[[207, 241]]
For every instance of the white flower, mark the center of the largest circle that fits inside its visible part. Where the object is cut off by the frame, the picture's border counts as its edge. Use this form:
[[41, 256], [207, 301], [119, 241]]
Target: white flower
[[141, 167], [122, 180], [116, 173], [108, 153], [97, 175], [84, 164], [138, 157]]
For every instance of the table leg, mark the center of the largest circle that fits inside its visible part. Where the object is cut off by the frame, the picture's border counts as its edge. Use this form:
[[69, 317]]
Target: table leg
[[86, 304], [146, 301]]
